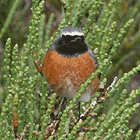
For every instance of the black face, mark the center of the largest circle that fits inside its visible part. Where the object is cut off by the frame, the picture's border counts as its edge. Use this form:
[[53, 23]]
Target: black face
[[71, 45]]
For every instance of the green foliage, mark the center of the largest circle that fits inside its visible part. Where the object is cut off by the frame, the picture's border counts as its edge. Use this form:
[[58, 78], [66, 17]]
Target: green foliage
[[29, 110]]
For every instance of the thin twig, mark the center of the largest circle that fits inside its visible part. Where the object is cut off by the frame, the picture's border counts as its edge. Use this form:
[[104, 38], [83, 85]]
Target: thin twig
[[92, 105], [113, 83], [51, 129], [73, 117], [24, 132]]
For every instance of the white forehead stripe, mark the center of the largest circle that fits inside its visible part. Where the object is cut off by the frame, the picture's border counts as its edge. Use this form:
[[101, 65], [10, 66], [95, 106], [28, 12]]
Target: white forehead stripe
[[73, 33]]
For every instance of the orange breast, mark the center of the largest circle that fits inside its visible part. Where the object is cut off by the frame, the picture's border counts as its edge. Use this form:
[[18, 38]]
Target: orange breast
[[65, 75]]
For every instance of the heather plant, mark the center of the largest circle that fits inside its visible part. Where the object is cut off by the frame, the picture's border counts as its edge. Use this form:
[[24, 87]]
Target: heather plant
[[29, 110]]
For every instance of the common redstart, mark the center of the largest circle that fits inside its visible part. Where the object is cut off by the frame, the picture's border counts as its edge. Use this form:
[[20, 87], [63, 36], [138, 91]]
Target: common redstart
[[68, 63]]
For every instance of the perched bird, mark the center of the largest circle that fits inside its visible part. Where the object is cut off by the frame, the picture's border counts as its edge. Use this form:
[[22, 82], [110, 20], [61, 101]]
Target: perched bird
[[68, 63]]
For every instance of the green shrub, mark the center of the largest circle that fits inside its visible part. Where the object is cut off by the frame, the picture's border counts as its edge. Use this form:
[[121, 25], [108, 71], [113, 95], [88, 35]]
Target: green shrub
[[28, 110]]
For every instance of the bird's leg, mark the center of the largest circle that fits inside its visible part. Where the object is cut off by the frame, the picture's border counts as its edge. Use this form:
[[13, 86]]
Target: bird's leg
[[79, 110]]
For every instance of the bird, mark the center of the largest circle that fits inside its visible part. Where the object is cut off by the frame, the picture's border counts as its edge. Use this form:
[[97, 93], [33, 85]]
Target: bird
[[68, 63]]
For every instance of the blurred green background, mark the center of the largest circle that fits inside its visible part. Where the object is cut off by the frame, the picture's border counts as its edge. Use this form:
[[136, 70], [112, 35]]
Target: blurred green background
[[15, 19]]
